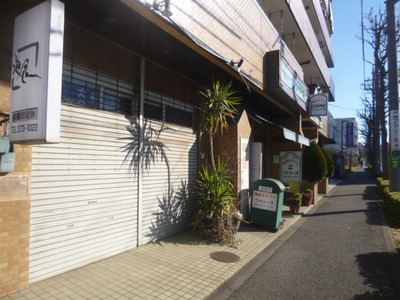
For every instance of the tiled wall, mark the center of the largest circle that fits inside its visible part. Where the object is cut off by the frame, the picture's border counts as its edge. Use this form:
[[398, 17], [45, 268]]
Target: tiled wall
[[14, 214]]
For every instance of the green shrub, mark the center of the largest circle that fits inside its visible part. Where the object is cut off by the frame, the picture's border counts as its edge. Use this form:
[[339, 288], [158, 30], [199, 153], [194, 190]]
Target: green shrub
[[314, 163], [381, 185], [329, 163], [390, 200]]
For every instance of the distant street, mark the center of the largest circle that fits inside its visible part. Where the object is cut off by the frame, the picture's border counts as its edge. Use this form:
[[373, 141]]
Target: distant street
[[339, 252]]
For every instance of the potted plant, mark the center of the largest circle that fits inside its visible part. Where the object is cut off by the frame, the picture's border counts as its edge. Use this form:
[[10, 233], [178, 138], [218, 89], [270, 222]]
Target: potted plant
[[294, 202], [307, 197]]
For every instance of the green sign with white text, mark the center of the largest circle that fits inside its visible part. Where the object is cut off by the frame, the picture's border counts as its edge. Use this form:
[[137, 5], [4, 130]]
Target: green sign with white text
[[395, 162]]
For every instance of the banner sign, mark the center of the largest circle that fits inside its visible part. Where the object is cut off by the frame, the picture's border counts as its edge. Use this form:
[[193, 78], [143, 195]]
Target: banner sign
[[394, 133], [36, 76], [318, 105], [349, 134], [290, 165]]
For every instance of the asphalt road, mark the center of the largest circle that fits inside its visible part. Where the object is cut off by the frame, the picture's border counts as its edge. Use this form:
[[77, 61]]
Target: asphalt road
[[341, 251]]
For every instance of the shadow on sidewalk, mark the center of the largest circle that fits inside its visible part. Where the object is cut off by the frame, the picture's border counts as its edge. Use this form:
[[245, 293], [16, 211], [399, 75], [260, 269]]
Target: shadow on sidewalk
[[367, 194], [188, 237], [371, 212], [359, 176], [374, 268]]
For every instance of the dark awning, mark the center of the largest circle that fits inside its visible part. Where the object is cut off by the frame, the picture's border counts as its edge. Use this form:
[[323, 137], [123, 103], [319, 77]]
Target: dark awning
[[288, 134]]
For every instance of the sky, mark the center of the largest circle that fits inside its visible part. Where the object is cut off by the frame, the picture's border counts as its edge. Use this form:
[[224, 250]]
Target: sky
[[348, 74]]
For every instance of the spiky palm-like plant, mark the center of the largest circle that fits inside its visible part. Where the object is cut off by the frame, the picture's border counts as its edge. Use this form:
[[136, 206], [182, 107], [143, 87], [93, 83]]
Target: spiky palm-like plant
[[218, 108]]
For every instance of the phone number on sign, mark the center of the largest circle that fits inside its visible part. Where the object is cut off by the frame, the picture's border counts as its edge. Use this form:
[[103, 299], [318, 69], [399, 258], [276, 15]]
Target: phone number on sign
[[25, 128]]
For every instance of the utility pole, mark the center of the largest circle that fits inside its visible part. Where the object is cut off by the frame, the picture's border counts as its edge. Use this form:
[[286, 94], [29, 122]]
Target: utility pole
[[394, 174]]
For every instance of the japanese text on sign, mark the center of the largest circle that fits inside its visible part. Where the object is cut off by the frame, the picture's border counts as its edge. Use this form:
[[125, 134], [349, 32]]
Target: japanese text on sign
[[394, 131], [290, 166], [264, 200]]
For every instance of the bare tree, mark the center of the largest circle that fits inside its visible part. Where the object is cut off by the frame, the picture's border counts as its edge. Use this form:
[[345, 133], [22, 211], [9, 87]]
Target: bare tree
[[376, 29], [367, 116]]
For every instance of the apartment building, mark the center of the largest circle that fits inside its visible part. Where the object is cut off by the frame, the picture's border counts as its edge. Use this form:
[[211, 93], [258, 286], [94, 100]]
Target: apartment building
[[122, 171]]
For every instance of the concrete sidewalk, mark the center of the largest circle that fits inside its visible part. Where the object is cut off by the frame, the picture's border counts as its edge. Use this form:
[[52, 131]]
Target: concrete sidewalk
[[178, 267]]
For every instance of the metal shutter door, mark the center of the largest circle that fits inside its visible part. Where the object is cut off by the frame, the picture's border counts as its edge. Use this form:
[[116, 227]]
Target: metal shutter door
[[83, 197], [167, 207]]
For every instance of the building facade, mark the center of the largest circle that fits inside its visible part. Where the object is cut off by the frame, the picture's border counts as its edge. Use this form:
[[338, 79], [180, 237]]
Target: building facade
[[125, 169]]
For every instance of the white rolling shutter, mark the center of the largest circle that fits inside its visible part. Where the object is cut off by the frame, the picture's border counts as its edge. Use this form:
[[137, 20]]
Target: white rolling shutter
[[83, 196], [167, 207]]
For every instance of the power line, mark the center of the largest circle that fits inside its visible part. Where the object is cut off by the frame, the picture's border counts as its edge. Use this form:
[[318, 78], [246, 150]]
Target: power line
[[343, 107]]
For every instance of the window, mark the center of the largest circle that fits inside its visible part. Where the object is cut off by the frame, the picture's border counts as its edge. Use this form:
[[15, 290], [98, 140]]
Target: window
[[98, 74], [169, 97], [178, 116]]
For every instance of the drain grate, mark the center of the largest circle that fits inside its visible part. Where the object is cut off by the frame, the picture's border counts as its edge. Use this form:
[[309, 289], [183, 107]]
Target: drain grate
[[224, 256]]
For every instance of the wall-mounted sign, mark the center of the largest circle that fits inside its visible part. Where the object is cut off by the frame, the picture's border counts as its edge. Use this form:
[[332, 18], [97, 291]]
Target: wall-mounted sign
[[349, 134], [282, 79], [37, 74], [291, 83], [318, 105], [290, 165]]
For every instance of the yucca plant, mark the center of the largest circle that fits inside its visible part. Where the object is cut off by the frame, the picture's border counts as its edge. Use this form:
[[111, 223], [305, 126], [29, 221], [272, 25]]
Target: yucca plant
[[215, 190], [218, 108], [217, 218]]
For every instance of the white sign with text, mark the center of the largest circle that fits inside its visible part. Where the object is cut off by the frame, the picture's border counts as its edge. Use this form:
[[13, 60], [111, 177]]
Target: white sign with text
[[290, 166], [318, 105], [36, 76], [265, 200]]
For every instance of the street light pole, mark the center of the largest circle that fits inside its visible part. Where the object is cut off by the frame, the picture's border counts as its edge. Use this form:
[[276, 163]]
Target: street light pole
[[394, 172]]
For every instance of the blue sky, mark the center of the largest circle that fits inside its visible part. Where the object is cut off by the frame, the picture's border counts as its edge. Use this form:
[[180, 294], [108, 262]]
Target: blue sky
[[348, 72]]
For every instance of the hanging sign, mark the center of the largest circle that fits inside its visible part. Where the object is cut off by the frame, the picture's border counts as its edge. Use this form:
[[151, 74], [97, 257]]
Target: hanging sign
[[37, 74], [290, 163], [318, 105]]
